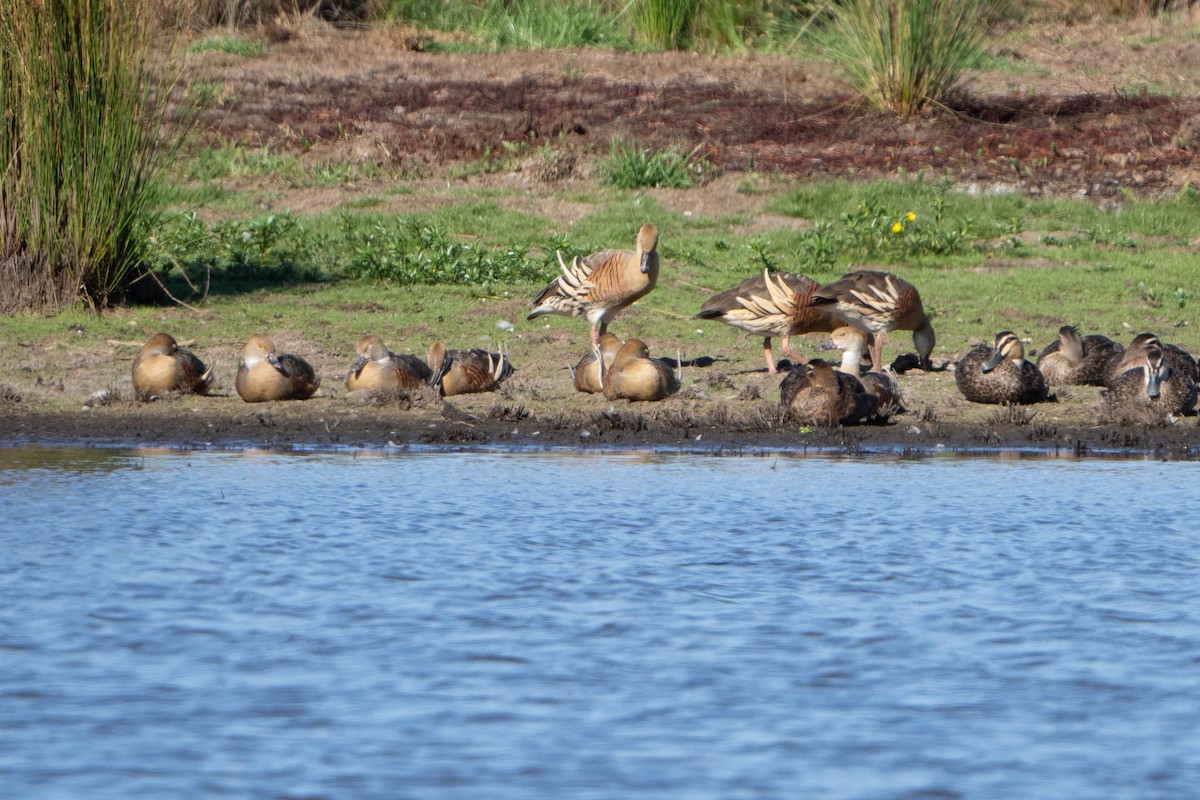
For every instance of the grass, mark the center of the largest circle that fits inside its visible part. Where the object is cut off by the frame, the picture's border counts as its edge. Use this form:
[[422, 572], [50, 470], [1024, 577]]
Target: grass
[[233, 45], [630, 167]]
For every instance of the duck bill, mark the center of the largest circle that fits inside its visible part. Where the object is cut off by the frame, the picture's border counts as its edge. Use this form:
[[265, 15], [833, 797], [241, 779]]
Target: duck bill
[[1153, 384], [993, 361], [274, 361], [358, 366], [645, 263]]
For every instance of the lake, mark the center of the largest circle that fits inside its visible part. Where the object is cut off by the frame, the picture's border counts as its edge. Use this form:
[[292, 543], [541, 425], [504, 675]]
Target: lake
[[483, 626]]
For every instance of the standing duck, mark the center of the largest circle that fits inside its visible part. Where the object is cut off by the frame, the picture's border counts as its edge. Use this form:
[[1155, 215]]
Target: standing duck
[[817, 394], [163, 366], [599, 286], [878, 302], [771, 304], [635, 376], [1000, 375], [1150, 391], [466, 371], [1075, 359], [1133, 357], [378, 369], [263, 375]]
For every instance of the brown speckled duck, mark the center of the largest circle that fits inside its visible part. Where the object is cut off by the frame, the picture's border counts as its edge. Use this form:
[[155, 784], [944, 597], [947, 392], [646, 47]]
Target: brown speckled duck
[[878, 302], [466, 371], [1179, 359], [771, 304], [382, 371], [264, 375], [1152, 391], [1000, 375], [601, 285], [1075, 359], [884, 387], [635, 376], [817, 394], [163, 366]]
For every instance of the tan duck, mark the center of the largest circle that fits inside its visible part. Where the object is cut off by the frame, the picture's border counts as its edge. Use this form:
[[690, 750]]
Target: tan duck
[[382, 371], [1150, 391], [879, 302], [1134, 355], [163, 366], [466, 371], [587, 373], [1074, 359], [601, 285], [817, 394], [1000, 375], [635, 376], [852, 342], [264, 375], [771, 304]]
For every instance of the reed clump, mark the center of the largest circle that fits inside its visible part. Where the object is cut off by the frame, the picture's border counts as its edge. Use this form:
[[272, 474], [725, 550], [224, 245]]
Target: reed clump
[[81, 138]]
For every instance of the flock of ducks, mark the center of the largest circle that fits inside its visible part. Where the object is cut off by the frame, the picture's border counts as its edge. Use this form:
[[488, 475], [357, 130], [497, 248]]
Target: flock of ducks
[[1146, 380]]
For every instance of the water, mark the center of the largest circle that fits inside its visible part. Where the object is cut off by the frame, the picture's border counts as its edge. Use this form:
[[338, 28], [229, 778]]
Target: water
[[489, 626]]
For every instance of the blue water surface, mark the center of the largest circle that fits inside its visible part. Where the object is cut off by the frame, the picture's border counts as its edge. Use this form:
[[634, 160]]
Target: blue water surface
[[558, 625]]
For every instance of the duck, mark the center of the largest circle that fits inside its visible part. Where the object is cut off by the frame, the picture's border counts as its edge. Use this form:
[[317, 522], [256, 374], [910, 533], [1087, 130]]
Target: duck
[[603, 284], [1000, 375], [1075, 359], [588, 371], [852, 342], [879, 302], [768, 305], [817, 394], [884, 387], [1132, 357], [264, 375], [162, 366], [634, 376], [466, 371], [378, 369], [1151, 391]]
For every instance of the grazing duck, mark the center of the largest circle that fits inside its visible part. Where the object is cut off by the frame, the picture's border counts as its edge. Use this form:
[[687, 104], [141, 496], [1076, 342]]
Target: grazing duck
[[1150, 391], [878, 302], [601, 285], [466, 371], [262, 375], [817, 394], [1179, 359], [163, 366], [886, 391], [635, 376], [1000, 375], [588, 372], [771, 304], [1075, 359], [380, 370], [851, 341]]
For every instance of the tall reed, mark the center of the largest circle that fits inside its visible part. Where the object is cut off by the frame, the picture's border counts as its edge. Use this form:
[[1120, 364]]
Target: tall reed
[[904, 55], [82, 136]]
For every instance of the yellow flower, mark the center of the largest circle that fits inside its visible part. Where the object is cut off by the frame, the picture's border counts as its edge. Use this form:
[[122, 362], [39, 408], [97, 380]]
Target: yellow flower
[[897, 228], [910, 216]]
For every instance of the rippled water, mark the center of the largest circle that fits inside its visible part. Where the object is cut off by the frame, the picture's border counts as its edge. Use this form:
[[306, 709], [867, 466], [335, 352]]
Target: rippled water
[[482, 626]]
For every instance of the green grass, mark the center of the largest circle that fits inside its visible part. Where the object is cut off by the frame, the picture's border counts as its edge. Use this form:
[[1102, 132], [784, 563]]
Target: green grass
[[630, 167], [233, 45]]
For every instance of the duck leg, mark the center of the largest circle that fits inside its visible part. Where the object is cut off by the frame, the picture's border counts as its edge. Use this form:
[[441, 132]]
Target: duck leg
[[877, 340], [792, 354]]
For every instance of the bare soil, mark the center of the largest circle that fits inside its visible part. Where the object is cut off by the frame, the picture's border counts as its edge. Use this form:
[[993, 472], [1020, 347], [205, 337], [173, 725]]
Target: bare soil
[[1090, 110]]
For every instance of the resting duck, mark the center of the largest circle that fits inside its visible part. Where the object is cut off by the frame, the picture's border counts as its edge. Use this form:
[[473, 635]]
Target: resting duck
[[163, 366], [878, 302], [587, 373], [884, 387], [263, 375], [601, 285], [1133, 357], [1000, 375], [817, 394], [466, 371], [852, 342], [634, 376], [378, 369], [1075, 359], [1150, 391], [771, 304]]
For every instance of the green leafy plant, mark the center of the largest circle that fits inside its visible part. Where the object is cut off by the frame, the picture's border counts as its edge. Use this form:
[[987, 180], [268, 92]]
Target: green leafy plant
[[632, 167]]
